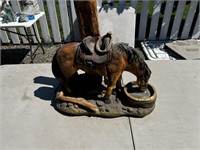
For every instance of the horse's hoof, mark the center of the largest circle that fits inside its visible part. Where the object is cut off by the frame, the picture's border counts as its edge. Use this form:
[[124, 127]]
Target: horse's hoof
[[107, 101]]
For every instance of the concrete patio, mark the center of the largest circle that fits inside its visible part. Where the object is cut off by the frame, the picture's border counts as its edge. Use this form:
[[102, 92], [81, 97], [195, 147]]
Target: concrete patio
[[29, 122]]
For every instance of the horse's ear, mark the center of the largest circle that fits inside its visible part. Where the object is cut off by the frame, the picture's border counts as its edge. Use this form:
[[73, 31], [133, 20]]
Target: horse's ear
[[97, 37], [109, 33]]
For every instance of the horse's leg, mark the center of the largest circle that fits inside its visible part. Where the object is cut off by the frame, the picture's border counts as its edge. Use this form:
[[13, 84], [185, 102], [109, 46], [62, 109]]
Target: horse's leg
[[66, 61], [67, 86], [68, 83], [68, 72], [119, 84], [113, 79]]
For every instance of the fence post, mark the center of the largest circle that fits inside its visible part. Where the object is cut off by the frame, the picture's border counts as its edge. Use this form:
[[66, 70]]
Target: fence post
[[196, 31], [4, 37], [65, 20], [177, 20], [75, 26], [189, 19], [166, 20], [134, 4], [15, 37], [155, 19], [143, 20], [54, 20], [43, 24]]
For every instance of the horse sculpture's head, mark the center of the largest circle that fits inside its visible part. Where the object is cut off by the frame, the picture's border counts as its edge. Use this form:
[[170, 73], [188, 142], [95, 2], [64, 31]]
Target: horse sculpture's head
[[143, 79], [143, 74], [137, 66]]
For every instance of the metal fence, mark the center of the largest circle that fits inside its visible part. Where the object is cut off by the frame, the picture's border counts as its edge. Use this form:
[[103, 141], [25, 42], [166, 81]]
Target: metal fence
[[155, 20]]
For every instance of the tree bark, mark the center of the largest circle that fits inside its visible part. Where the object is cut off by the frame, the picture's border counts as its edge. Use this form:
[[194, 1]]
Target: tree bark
[[87, 15]]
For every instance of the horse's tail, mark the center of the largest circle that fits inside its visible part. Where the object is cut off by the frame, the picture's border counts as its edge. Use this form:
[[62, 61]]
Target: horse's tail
[[56, 69]]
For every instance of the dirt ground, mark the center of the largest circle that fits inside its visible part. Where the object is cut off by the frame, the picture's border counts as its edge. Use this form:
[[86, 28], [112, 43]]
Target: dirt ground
[[19, 54]]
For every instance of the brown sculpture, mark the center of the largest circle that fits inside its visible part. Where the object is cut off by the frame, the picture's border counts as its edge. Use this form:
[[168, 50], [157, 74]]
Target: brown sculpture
[[101, 58]]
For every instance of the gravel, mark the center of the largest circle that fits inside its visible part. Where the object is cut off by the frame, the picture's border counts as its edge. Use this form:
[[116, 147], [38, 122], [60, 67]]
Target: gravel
[[19, 54]]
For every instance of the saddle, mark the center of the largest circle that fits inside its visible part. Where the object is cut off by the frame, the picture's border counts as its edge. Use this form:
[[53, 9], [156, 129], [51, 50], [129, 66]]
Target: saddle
[[95, 52]]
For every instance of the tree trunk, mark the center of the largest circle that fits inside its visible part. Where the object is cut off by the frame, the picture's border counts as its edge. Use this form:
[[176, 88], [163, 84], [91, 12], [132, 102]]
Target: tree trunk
[[87, 15]]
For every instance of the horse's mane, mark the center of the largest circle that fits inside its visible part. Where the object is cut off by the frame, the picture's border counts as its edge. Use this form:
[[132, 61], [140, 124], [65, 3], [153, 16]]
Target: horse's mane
[[132, 55]]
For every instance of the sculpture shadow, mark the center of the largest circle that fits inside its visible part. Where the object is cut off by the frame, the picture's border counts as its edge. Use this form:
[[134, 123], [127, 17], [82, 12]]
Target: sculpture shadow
[[82, 85], [86, 85], [47, 91]]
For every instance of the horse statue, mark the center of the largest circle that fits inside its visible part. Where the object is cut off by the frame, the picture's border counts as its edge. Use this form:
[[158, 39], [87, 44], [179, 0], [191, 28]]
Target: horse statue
[[100, 57]]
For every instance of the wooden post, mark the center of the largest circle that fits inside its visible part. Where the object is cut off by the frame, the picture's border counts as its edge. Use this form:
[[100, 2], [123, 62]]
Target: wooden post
[[87, 15]]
